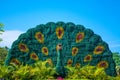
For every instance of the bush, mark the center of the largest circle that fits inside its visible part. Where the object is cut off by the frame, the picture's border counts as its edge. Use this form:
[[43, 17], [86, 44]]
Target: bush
[[36, 71], [87, 72], [39, 71], [3, 53]]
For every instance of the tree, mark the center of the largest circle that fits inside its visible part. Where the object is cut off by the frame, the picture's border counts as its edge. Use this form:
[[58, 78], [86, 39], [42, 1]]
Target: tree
[[116, 57], [1, 30], [3, 54]]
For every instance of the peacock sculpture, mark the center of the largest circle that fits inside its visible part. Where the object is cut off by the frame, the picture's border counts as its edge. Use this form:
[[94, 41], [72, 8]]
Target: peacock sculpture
[[62, 44]]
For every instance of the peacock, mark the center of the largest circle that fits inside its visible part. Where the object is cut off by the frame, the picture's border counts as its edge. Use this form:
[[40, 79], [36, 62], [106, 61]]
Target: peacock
[[62, 44]]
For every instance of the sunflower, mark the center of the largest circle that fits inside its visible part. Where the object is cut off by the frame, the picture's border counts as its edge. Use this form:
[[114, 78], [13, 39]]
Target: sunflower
[[102, 64], [40, 37], [59, 32], [23, 47], [98, 49], [69, 63], [88, 58], [45, 50], [34, 56], [15, 61], [74, 51], [79, 37]]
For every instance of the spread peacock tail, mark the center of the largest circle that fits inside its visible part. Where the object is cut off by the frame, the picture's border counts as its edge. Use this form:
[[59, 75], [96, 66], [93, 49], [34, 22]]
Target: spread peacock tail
[[80, 47]]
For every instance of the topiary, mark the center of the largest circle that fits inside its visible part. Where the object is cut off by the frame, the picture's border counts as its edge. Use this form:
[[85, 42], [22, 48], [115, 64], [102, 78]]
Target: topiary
[[62, 44]]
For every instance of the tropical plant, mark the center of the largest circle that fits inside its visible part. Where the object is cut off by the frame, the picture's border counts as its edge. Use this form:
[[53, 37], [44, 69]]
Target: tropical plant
[[1, 29], [118, 70], [116, 57], [3, 53], [87, 72], [37, 71]]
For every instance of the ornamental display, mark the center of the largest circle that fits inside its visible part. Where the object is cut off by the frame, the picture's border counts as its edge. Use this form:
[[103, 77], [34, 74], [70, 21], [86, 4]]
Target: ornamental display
[[62, 44]]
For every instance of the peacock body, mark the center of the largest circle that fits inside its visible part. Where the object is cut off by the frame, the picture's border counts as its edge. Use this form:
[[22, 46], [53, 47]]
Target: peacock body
[[80, 46]]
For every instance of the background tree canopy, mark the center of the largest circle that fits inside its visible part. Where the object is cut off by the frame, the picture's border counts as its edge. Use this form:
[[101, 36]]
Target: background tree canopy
[[1, 29], [116, 57]]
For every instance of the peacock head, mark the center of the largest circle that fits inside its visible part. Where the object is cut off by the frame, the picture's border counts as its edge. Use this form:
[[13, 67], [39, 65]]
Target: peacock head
[[59, 47]]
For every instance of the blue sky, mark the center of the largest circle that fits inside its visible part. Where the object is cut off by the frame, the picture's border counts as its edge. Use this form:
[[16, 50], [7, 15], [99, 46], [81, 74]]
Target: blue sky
[[102, 16]]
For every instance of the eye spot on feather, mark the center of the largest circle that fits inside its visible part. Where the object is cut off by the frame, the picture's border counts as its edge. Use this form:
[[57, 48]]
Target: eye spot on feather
[[88, 58], [40, 37], [34, 56], [23, 47], [98, 49], [45, 50], [15, 61], [59, 32], [74, 51], [69, 63], [79, 37], [102, 64], [77, 65], [49, 61]]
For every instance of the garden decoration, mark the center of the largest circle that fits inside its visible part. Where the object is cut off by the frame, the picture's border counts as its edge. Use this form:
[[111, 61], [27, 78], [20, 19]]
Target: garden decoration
[[62, 44]]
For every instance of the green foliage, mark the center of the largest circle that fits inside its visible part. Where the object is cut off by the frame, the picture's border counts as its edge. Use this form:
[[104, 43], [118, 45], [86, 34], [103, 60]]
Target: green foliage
[[3, 54], [88, 72], [116, 57], [5, 72], [1, 29], [118, 70], [37, 71]]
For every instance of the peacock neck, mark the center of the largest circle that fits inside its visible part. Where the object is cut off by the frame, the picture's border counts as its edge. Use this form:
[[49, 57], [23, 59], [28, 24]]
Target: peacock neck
[[59, 61], [59, 66]]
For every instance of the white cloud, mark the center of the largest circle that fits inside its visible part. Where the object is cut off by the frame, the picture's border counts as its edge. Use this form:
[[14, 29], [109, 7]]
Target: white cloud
[[114, 41], [115, 45], [9, 37]]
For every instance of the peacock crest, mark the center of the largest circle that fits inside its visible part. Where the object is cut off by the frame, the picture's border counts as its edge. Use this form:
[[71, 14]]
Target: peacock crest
[[80, 46]]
